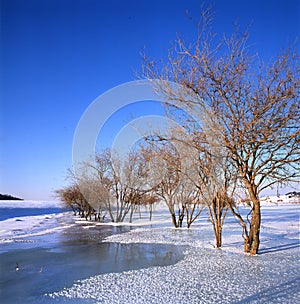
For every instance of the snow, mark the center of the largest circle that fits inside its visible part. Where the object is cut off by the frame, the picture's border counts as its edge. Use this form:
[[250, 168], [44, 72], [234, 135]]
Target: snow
[[279, 199], [202, 277], [12, 230], [17, 228], [205, 275], [30, 204]]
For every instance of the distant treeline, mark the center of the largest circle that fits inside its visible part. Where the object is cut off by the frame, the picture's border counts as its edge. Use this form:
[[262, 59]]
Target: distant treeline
[[7, 197], [293, 194]]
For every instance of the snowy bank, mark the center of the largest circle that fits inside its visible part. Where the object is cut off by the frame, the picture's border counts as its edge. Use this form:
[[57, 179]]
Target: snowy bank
[[17, 229], [205, 275]]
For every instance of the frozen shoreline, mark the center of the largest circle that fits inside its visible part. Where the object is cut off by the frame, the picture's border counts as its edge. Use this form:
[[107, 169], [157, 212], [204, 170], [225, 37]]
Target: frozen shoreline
[[21, 227], [52, 252], [204, 275]]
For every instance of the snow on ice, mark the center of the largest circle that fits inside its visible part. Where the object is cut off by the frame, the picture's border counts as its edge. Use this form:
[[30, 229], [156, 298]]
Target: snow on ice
[[20, 227], [206, 275]]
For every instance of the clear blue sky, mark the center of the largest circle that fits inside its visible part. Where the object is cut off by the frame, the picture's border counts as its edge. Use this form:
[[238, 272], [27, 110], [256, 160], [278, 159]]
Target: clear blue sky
[[57, 56]]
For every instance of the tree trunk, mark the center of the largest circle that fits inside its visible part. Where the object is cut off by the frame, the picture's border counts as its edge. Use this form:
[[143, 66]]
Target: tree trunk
[[255, 229], [150, 212], [218, 234], [244, 225], [251, 242], [131, 214], [247, 246], [181, 214], [180, 223], [174, 220]]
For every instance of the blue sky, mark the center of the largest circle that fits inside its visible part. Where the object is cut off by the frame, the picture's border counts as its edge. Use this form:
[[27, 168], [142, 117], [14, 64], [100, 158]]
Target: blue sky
[[57, 56]]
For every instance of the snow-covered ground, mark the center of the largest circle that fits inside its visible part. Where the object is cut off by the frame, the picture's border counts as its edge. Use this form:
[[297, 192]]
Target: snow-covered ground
[[17, 229], [203, 275], [280, 199], [20, 227]]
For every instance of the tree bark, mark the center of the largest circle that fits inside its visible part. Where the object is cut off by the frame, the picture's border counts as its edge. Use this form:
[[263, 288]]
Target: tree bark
[[252, 241], [218, 234], [150, 212], [181, 214], [255, 229], [174, 220], [247, 246], [131, 214]]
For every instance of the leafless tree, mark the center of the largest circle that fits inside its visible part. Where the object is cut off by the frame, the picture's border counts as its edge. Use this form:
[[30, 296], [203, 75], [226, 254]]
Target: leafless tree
[[252, 108], [117, 182], [95, 195], [216, 182], [212, 173], [169, 181], [165, 162], [73, 198], [189, 204]]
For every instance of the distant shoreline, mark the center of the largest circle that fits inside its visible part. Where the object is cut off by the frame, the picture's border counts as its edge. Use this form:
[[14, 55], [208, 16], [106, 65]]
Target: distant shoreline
[[7, 197]]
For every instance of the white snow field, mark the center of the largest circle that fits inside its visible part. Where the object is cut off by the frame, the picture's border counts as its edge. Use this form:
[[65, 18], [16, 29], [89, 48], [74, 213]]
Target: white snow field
[[205, 274]]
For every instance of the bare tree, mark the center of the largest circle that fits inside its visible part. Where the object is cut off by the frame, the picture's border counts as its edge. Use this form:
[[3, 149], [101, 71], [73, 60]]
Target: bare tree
[[214, 176], [252, 108], [189, 204], [95, 195], [164, 173], [117, 183], [217, 185], [168, 186], [168, 179], [73, 198], [113, 176]]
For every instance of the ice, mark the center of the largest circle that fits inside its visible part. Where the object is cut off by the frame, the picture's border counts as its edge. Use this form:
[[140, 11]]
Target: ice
[[205, 274], [14, 229], [17, 228]]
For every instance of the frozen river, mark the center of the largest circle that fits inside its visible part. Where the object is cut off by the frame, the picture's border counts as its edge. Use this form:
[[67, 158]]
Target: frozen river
[[53, 259], [66, 262]]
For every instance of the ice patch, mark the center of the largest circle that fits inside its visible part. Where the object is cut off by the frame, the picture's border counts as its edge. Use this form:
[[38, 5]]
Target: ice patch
[[13, 229]]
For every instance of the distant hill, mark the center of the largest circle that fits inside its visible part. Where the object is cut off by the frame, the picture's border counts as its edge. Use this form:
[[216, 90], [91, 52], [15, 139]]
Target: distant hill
[[7, 197]]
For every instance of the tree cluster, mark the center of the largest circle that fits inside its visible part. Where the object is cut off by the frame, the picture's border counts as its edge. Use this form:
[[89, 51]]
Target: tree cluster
[[240, 106], [160, 170], [109, 186], [238, 135]]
